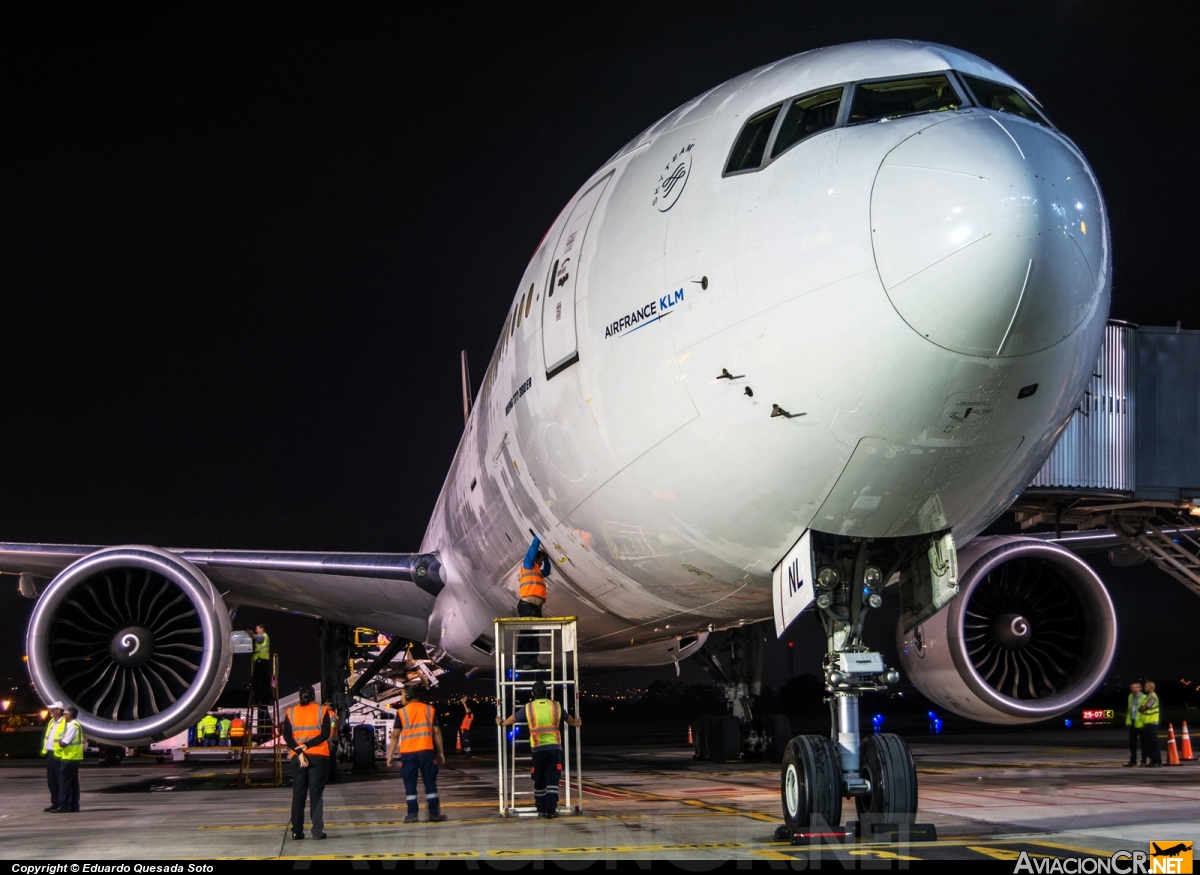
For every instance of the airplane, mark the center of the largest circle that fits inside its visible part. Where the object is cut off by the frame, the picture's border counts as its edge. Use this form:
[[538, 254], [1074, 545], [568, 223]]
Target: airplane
[[800, 340], [1172, 851]]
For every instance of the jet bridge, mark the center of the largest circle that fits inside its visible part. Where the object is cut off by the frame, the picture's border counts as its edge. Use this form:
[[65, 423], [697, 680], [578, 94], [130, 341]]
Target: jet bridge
[[1129, 459]]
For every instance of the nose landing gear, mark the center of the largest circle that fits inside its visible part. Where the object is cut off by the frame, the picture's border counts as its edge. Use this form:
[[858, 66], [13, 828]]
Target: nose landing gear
[[877, 773]]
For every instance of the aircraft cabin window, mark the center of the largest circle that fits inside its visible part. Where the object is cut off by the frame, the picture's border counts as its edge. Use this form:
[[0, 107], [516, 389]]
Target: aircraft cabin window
[[878, 101], [807, 116], [520, 306], [1002, 98], [752, 144], [529, 300]]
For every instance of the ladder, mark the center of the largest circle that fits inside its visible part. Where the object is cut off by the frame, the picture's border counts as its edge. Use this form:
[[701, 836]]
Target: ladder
[[529, 649], [255, 731], [1169, 540]]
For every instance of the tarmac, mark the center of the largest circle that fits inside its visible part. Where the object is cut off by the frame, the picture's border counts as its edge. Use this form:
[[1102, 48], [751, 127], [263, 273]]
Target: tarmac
[[990, 796]]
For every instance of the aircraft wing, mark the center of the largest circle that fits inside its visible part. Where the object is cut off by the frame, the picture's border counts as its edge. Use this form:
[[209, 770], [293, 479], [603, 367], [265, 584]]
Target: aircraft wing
[[391, 592]]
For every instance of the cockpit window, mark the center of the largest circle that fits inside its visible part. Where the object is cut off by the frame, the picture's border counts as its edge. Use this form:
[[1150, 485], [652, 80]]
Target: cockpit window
[[1002, 98], [877, 101], [806, 116], [748, 152]]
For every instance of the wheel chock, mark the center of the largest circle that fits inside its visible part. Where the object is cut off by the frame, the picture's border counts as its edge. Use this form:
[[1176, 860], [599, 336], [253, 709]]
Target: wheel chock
[[896, 833], [830, 835]]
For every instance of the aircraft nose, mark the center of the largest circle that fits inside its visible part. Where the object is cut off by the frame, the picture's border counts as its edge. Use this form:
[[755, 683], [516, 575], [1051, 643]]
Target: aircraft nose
[[990, 235]]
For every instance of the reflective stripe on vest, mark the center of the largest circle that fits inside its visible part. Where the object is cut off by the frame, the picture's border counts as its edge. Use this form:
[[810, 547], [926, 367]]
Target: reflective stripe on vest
[[226, 726], [262, 649], [416, 727], [467, 720], [73, 751], [544, 716], [306, 724], [1150, 715], [237, 729], [532, 583], [208, 726]]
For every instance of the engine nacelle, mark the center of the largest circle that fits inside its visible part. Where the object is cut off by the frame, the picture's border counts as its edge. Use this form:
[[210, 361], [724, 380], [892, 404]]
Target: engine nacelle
[[1030, 635], [137, 638]]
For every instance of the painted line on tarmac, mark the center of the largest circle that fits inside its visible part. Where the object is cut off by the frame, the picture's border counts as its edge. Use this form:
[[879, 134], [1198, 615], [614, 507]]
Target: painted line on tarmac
[[651, 797], [617, 849], [384, 807]]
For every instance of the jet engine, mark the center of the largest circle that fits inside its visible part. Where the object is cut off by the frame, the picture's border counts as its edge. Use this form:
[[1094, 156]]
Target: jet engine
[[136, 637], [1030, 635]]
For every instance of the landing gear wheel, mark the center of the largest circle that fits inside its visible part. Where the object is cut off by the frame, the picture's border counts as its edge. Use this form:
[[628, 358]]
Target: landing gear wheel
[[364, 749], [811, 783], [779, 729], [888, 765], [725, 741], [700, 738]]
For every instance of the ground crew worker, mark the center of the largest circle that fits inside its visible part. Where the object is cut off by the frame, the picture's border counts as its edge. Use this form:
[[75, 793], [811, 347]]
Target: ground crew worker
[[419, 739], [535, 568], [1134, 721], [208, 729], [52, 727], [68, 747], [260, 665], [1148, 711], [464, 729], [306, 729], [224, 726], [237, 730], [544, 717]]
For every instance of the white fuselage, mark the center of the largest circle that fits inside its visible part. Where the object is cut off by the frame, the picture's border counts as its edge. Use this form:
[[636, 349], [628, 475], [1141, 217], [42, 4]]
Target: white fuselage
[[897, 282]]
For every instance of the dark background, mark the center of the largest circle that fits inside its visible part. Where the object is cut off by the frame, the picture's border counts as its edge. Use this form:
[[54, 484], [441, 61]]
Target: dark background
[[242, 246]]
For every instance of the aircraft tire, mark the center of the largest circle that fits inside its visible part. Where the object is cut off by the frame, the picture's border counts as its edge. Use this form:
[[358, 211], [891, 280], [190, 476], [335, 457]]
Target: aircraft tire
[[810, 781], [726, 743], [888, 764], [779, 728], [364, 749]]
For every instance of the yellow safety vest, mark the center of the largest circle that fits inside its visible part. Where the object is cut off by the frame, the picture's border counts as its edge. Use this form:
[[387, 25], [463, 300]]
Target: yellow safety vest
[[1132, 717], [262, 649], [72, 752], [208, 726], [1149, 717], [51, 726], [544, 717]]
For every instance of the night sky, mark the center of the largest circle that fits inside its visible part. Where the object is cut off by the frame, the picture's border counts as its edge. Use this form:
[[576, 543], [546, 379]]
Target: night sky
[[241, 248]]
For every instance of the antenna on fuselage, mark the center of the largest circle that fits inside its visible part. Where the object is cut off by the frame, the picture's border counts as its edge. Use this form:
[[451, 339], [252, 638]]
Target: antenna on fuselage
[[466, 388]]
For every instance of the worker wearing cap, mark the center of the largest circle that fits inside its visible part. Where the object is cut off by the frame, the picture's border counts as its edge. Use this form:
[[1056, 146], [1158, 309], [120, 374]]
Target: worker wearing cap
[[68, 747], [464, 729], [545, 717], [419, 739], [52, 728], [1148, 711], [306, 730]]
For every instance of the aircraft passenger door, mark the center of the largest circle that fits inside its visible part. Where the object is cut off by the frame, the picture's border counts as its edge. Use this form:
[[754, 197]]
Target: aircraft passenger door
[[559, 340]]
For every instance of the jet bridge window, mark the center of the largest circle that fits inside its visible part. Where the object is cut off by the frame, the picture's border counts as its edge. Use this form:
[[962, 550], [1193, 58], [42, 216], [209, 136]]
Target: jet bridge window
[[806, 116], [1002, 98], [879, 101], [752, 144]]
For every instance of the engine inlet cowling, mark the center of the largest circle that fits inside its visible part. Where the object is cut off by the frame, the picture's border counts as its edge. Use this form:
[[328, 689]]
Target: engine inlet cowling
[[1030, 635], [137, 638]]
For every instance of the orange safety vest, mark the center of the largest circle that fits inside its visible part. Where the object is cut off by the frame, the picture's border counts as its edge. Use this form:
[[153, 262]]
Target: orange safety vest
[[416, 727], [543, 722], [306, 724], [533, 585], [466, 721], [238, 728]]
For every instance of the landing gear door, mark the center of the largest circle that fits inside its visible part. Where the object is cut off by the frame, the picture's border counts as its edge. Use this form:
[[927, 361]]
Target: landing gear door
[[930, 583], [792, 583], [559, 341]]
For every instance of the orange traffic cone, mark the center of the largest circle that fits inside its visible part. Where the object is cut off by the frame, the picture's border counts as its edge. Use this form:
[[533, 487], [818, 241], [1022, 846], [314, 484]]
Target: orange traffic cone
[[1186, 753], [692, 742], [1172, 751], [457, 743]]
